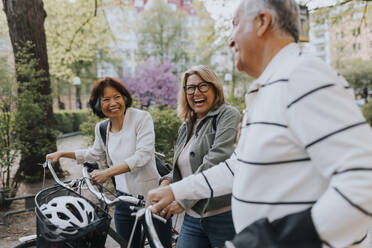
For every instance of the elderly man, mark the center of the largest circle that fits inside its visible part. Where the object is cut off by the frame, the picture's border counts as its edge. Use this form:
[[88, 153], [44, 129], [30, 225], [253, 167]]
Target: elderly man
[[301, 175]]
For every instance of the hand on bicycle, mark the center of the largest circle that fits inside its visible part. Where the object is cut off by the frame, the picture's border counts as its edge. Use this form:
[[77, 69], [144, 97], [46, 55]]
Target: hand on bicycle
[[161, 197], [100, 176], [55, 156], [173, 208], [165, 182]]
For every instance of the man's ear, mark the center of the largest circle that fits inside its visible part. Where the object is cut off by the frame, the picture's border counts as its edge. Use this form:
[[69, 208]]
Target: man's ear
[[262, 23]]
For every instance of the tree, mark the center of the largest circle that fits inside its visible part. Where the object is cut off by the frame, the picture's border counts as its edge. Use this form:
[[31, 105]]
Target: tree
[[78, 40], [162, 35], [204, 40], [153, 83], [359, 74], [27, 34]]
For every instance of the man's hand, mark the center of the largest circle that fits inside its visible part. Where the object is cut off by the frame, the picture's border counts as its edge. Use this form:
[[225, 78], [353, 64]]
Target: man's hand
[[161, 197], [173, 208], [165, 182]]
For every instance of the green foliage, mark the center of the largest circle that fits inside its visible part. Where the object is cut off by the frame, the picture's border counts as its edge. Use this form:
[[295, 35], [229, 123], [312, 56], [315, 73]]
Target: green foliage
[[37, 138], [68, 121], [166, 124], [177, 37], [87, 127], [367, 111], [357, 72], [8, 137], [78, 39], [162, 34]]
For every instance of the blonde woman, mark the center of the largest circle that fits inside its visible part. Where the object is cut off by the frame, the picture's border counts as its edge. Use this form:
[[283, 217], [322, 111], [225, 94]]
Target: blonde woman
[[205, 139]]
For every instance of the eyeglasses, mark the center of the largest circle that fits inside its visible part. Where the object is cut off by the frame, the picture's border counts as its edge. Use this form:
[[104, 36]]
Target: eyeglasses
[[203, 88]]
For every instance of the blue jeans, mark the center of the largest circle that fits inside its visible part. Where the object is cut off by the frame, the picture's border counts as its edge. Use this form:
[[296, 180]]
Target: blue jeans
[[206, 232], [124, 223]]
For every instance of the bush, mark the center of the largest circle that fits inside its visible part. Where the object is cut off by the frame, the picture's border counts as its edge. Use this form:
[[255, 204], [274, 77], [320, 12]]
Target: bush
[[166, 124], [367, 111], [68, 121], [87, 127]]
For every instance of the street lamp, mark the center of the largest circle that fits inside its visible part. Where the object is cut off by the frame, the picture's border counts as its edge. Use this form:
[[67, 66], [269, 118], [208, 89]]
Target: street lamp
[[76, 81]]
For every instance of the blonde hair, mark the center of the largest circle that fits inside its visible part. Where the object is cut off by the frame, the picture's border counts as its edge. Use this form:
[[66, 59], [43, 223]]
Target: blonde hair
[[184, 110]]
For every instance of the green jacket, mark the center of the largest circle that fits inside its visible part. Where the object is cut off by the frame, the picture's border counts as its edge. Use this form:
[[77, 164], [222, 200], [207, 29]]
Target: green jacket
[[215, 139]]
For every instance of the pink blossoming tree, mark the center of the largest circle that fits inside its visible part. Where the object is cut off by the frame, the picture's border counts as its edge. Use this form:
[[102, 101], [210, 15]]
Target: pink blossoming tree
[[153, 83]]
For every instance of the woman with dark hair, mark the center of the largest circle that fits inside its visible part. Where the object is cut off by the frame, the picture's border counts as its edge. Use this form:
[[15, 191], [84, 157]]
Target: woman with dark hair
[[128, 148]]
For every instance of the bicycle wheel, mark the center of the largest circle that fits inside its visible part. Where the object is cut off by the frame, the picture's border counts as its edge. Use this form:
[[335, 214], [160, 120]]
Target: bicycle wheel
[[28, 244]]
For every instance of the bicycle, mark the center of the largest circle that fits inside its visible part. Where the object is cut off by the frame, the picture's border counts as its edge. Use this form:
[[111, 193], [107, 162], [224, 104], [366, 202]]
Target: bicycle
[[95, 233]]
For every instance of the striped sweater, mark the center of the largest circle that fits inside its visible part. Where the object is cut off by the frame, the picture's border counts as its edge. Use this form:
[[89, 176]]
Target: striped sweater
[[304, 143]]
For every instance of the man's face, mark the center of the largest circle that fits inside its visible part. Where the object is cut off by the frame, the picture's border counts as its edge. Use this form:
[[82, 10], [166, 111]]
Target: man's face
[[244, 41]]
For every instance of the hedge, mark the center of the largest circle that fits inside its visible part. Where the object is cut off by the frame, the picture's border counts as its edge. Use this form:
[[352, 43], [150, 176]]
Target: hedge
[[367, 111], [68, 121]]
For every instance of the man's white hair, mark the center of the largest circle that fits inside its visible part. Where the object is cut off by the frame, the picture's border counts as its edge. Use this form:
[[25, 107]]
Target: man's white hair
[[284, 14]]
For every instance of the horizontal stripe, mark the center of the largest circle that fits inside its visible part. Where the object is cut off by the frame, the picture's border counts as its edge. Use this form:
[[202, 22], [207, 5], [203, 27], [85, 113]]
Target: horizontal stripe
[[347, 87], [209, 185], [275, 203], [252, 91], [352, 203], [229, 168], [284, 80], [309, 93], [275, 162], [351, 170], [360, 241], [327, 244], [335, 132], [265, 123]]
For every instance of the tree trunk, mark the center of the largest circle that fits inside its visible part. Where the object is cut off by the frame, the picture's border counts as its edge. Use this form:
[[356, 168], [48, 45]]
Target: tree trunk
[[26, 25]]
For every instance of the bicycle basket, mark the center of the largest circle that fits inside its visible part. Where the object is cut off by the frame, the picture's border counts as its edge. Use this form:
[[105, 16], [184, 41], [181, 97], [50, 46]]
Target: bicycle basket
[[49, 235]]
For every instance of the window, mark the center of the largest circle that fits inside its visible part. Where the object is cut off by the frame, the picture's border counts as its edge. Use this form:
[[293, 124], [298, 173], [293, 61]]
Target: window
[[356, 31], [356, 47], [3, 45], [340, 20], [138, 3], [339, 35], [319, 35], [357, 16], [340, 49], [186, 2], [320, 48], [173, 6]]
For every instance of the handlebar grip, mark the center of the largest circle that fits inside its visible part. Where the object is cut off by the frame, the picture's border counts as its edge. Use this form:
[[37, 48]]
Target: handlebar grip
[[91, 166]]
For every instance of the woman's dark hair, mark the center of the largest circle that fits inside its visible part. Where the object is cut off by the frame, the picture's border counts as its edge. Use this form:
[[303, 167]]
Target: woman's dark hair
[[97, 93]]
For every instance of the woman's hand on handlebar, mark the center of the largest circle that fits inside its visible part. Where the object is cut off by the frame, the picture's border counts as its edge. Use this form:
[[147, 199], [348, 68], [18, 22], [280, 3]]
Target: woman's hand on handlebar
[[100, 176], [54, 157]]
